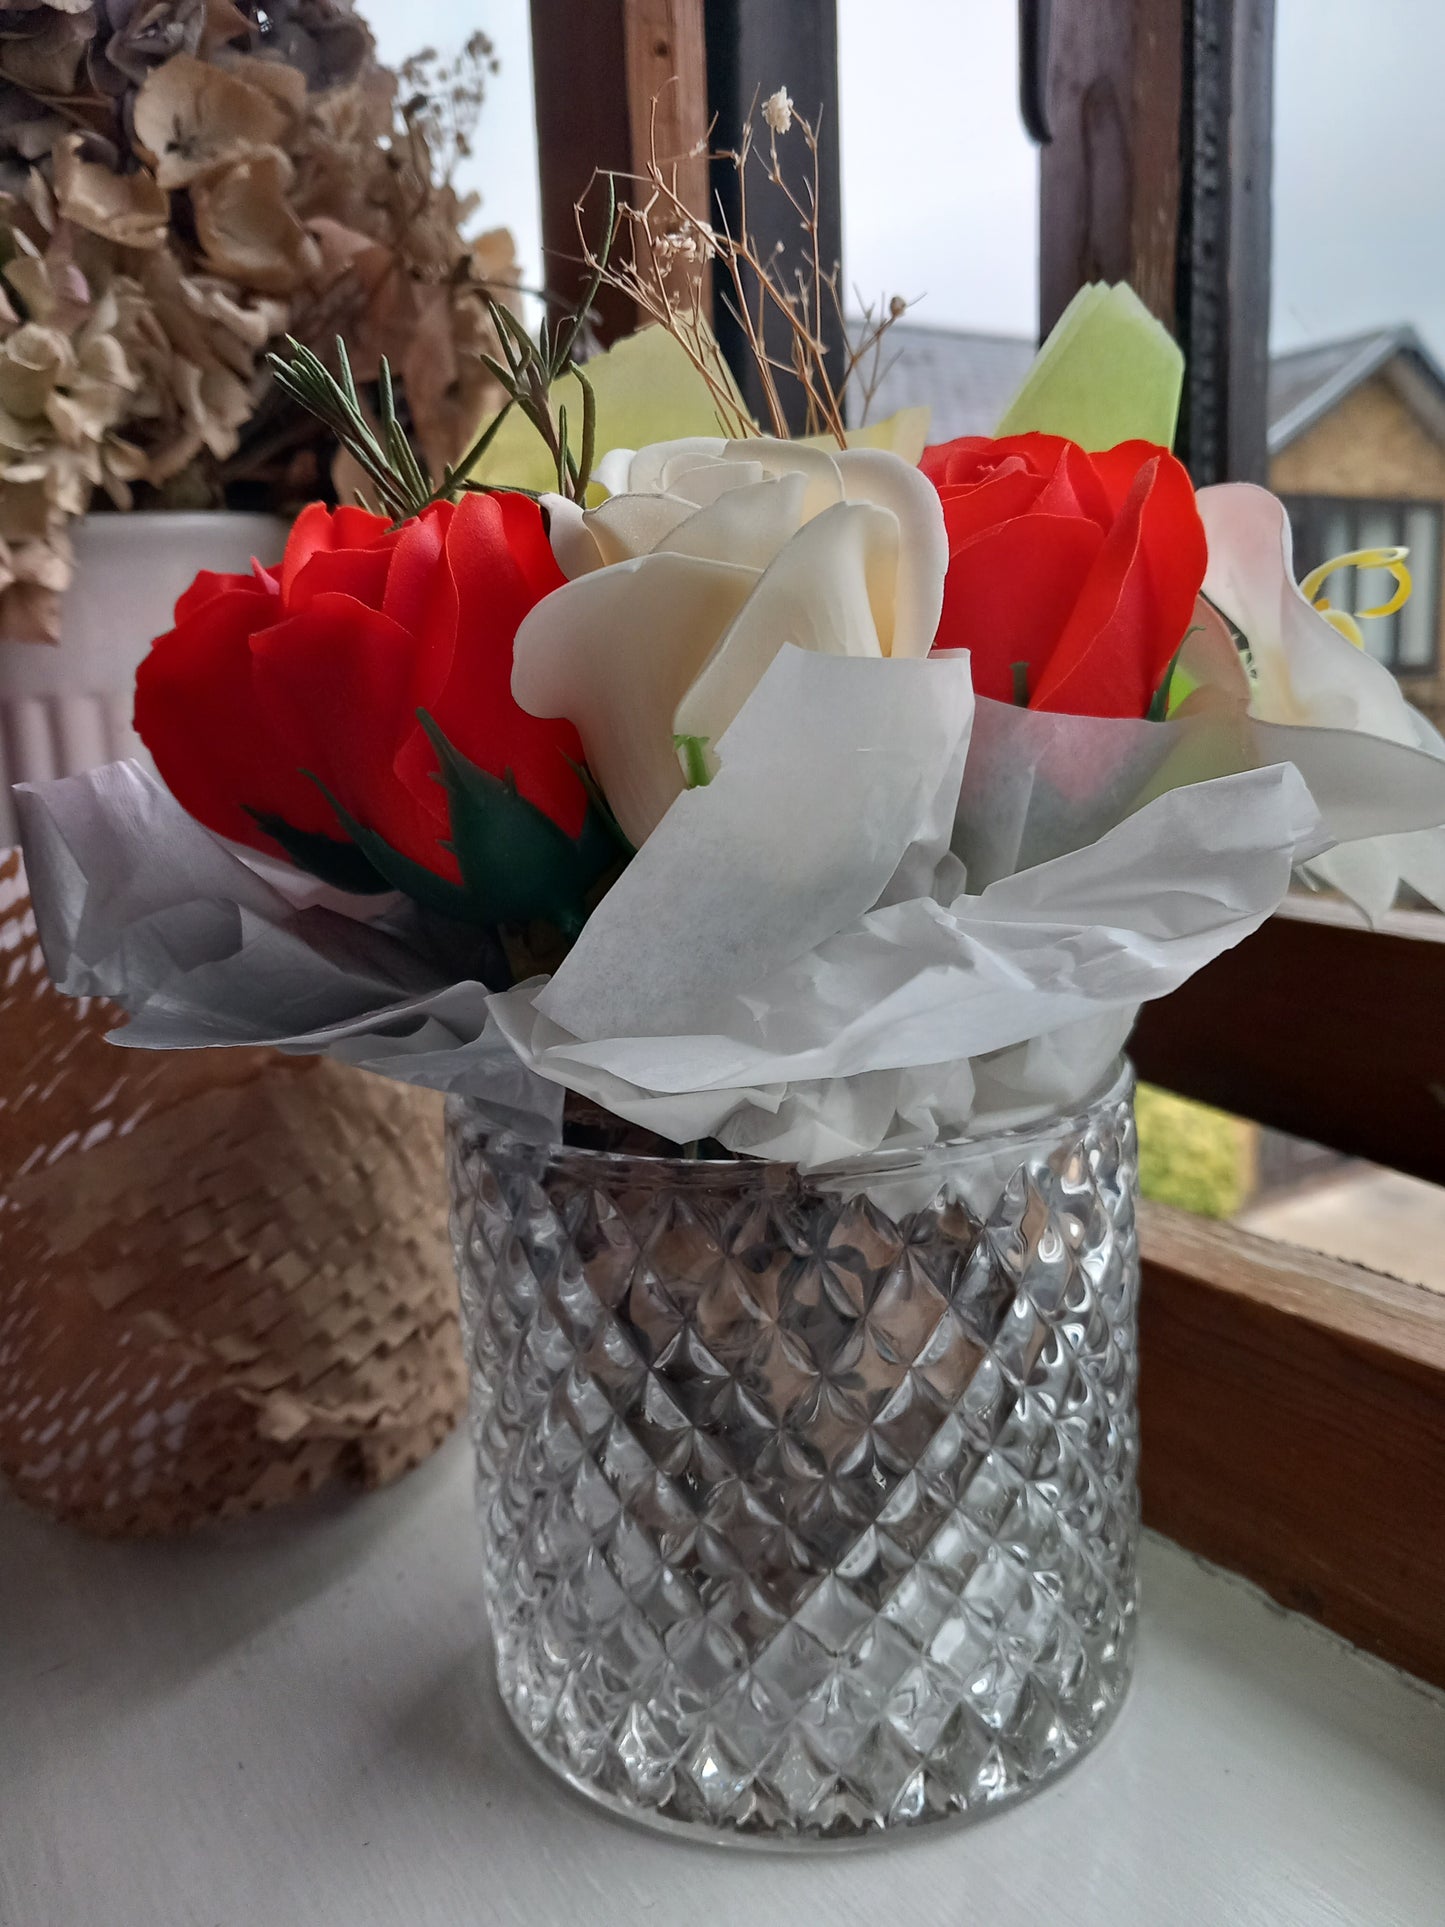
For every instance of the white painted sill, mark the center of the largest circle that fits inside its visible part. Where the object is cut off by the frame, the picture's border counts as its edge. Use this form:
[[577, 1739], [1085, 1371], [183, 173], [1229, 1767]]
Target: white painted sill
[[291, 1724]]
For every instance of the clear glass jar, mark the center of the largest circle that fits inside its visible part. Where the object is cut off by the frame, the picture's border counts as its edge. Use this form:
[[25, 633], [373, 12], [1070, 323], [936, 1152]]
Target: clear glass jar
[[809, 1502]]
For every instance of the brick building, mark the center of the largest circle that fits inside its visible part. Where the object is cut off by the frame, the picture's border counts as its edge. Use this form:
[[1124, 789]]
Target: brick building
[[1357, 450]]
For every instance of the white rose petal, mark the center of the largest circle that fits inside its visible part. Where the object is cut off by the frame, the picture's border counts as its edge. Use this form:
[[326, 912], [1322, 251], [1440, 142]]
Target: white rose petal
[[620, 674]]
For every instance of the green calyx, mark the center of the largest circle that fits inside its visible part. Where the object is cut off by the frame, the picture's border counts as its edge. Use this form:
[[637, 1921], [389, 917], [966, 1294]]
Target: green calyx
[[518, 867], [332, 859]]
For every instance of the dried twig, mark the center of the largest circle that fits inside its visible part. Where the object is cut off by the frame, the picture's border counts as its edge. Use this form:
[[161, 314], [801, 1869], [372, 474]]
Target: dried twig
[[784, 304]]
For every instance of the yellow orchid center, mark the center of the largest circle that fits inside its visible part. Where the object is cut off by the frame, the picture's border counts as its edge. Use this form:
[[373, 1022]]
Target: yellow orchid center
[[1393, 560]]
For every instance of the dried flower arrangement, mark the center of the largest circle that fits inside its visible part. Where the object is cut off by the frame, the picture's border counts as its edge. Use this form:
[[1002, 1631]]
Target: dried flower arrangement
[[181, 183]]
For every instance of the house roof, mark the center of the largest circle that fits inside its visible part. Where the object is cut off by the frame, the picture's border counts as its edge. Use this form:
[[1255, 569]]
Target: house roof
[[1306, 384], [969, 379]]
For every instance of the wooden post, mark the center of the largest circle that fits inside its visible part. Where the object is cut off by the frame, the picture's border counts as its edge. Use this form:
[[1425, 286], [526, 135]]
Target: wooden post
[[1111, 78], [598, 66], [1318, 1027], [1157, 172]]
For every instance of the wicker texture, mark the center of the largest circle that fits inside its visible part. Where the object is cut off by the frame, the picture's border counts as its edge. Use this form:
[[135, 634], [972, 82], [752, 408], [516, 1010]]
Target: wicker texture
[[224, 1277]]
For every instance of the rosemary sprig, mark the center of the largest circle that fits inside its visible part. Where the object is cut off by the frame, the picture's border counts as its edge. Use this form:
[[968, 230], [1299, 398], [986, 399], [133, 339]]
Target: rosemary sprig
[[526, 370], [401, 482]]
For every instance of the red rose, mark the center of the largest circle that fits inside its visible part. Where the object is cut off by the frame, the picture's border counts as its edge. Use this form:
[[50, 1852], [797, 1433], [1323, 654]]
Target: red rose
[[1072, 577], [283, 708]]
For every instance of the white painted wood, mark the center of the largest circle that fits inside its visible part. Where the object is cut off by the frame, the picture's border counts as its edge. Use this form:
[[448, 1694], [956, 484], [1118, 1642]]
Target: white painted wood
[[291, 1724]]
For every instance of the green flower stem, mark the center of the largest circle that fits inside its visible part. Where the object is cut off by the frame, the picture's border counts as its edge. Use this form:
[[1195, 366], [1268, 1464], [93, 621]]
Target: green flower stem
[[694, 762]]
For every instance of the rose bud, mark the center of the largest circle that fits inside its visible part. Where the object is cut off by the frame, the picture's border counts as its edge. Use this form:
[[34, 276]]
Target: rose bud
[[353, 711], [1072, 577]]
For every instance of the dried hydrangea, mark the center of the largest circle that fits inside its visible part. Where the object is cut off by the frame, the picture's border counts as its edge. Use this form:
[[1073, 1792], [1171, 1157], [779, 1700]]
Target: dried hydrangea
[[65, 391], [196, 178]]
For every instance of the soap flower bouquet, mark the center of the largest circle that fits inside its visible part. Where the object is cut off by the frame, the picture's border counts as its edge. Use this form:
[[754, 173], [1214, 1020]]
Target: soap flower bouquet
[[804, 798]]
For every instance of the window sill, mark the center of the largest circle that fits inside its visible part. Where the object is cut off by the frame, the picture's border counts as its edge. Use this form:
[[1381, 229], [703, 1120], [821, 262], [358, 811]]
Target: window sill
[[292, 1721]]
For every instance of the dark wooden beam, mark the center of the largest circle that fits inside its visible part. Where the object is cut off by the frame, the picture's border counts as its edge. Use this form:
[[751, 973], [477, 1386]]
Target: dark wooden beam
[[1157, 172], [598, 66], [1320, 1028], [1292, 1411], [1111, 77], [753, 48]]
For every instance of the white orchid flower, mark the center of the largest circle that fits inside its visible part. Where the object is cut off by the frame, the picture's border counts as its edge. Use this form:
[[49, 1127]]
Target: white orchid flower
[[706, 558], [1305, 672]]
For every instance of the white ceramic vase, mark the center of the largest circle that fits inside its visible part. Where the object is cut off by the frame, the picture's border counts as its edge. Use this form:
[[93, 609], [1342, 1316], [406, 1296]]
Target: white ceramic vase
[[67, 708]]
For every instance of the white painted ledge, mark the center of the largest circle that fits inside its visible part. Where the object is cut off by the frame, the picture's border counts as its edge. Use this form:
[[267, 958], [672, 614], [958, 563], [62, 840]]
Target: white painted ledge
[[291, 1724]]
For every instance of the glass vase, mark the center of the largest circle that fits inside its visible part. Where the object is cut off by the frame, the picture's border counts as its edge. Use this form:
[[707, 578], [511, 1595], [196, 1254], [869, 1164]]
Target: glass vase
[[809, 1502]]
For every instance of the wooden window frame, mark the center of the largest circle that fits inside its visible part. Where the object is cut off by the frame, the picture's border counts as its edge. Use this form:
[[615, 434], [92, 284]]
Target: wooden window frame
[[1293, 1407]]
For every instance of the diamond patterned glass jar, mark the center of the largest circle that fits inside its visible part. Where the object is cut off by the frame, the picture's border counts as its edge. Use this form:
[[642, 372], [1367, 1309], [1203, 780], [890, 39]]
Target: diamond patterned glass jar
[[809, 1503]]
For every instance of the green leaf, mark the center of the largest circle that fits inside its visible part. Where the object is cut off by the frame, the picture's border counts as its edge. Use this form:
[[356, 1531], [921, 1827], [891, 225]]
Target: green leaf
[[344, 865], [1108, 373], [517, 865]]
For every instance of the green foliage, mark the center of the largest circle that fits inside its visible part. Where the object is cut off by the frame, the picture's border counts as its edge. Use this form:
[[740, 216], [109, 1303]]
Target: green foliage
[[528, 370], [518, 866], [1193, 1156], [331, 859]]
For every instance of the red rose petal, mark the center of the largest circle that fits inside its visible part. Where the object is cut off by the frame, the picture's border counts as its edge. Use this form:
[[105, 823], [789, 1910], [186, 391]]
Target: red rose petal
[[1118, 467], [360, 573], [1009, 593], [333, 684], [197, 713], [413, 568], [500, 565], [1132, 613], [320, 528], [208, 586], [971, 507]]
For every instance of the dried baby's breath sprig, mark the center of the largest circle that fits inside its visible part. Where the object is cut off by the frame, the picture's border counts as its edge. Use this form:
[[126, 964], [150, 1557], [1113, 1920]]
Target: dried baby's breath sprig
[[785, 302], [444, 98]]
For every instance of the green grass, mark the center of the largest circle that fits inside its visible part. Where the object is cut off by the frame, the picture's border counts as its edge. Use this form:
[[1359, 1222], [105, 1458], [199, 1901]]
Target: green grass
[[1193, 1156]]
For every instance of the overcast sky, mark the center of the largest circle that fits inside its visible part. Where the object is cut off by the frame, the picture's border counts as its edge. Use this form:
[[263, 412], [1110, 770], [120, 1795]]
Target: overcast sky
[[940, 183]]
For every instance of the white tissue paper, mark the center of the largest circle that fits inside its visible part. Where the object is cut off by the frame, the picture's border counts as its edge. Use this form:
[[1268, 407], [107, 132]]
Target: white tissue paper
[[895, 914]]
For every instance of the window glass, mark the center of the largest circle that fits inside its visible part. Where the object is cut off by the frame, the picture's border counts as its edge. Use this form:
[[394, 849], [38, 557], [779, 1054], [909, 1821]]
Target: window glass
[[1217, 1166], [940, 191], [1357, 393]]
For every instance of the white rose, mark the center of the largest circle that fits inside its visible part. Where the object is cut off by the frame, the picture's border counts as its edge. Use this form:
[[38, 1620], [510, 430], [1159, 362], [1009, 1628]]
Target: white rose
[[707, 557]]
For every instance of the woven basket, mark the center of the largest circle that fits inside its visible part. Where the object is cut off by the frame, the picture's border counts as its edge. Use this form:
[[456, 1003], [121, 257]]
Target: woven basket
[[224, 1276]]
